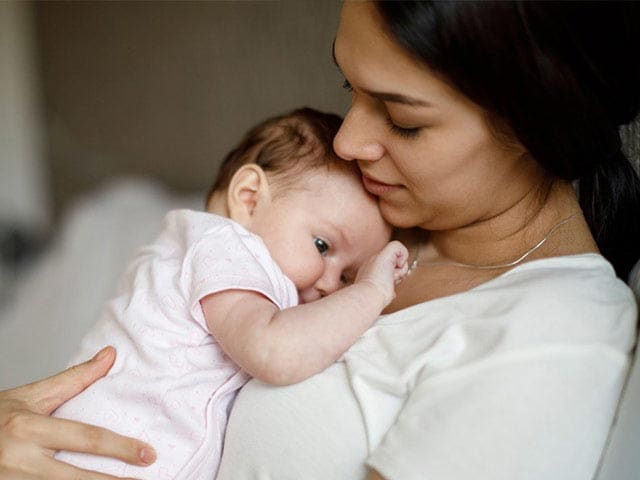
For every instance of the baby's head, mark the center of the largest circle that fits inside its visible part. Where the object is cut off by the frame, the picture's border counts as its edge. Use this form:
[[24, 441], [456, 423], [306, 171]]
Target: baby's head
[[284, 183]]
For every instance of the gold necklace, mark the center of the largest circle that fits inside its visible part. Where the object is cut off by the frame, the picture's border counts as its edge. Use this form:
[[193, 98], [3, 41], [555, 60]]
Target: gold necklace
[[416, 263]]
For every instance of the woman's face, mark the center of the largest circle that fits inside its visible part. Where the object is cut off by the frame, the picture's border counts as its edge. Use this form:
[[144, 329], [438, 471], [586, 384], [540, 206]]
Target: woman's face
[[424, 149]]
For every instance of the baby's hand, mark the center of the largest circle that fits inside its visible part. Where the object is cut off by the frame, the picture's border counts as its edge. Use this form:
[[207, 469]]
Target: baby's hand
[[386, 269]]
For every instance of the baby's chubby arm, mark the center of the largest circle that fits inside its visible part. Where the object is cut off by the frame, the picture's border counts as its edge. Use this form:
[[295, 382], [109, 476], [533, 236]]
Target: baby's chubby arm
[[283, 347]]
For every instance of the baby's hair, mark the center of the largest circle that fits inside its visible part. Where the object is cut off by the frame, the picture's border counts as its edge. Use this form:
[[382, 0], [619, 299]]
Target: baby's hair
[[284, 147]]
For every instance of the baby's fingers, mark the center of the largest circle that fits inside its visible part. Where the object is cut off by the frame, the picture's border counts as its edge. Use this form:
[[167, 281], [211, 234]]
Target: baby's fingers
[[402, 255], [401, 261]]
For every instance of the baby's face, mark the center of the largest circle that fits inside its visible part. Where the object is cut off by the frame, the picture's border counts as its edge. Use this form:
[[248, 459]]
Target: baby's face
[[321, 231]]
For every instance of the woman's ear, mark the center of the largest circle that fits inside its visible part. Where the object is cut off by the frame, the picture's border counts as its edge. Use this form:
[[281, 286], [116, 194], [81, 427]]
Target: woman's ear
[[248, 191]]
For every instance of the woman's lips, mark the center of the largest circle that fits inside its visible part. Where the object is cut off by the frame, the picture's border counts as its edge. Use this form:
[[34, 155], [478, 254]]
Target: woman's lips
[[378, 188]]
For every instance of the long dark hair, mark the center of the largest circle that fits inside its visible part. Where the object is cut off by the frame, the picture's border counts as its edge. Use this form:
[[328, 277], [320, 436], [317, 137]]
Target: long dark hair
[[558, 77]]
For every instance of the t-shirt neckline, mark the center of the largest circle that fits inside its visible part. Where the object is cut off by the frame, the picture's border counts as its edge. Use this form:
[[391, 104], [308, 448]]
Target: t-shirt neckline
[[561, 260]]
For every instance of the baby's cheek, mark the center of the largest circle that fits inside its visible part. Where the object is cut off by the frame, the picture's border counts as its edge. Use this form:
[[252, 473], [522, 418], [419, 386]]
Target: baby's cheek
[[303, 270]]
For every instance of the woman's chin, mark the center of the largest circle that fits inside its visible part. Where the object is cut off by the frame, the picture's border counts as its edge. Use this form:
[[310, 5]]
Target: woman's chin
[[398, 215]]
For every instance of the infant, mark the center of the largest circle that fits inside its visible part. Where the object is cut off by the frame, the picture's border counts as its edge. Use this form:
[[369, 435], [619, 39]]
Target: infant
[[288, 266]]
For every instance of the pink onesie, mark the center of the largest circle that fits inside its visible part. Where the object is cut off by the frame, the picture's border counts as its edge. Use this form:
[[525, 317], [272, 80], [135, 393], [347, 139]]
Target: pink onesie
[[172, 385]]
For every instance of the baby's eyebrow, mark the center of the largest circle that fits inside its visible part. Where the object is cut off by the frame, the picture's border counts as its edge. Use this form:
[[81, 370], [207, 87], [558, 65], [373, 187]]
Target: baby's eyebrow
[[340, 235]]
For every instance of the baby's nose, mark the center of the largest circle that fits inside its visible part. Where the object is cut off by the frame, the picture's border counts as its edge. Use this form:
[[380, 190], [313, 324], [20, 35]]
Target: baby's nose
[[328, 283]]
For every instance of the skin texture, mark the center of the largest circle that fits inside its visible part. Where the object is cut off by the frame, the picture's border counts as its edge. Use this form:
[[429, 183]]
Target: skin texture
[[326, 205], [326, 234], [283, 347]]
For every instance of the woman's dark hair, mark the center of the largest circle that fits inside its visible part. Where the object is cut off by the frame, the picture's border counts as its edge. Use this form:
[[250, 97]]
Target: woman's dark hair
[[559, 76], [288, 143]]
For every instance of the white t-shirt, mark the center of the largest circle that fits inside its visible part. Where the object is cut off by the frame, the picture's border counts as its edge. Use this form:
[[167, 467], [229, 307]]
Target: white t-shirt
[[172, 385], [516, 379]]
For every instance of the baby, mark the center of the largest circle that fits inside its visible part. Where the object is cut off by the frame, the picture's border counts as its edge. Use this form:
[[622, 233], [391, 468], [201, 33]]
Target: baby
[[290, 264]]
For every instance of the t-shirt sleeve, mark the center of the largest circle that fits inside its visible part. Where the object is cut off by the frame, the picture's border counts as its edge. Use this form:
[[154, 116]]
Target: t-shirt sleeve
[[223, 256], [513, 417]]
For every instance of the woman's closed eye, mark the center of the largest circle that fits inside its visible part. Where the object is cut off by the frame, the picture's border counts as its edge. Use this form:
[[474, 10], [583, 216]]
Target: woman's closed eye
[[405, 132], [321, 246]]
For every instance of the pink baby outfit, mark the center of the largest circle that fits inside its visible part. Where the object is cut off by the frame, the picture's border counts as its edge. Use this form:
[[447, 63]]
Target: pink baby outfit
[[172, 385]]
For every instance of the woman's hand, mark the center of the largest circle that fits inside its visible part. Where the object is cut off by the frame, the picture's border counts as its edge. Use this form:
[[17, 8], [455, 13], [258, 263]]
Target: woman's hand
[[29, 437]]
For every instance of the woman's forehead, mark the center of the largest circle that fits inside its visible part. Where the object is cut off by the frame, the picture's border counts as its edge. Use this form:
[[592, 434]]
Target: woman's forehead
[[376, 64]]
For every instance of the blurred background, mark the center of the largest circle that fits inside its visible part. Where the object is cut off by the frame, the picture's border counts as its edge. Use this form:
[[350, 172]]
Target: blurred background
[[112, 113], [93, 90]]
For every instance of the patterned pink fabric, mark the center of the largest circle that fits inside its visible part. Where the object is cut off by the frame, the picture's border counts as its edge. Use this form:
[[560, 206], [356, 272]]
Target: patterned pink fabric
[[172, 385]]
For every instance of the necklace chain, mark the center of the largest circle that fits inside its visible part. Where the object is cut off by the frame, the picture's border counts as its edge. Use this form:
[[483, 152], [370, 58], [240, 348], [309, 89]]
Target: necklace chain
[[416, 263]]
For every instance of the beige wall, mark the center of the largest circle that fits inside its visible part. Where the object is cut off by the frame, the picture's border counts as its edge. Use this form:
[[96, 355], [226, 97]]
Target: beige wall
[[165, 89], [23, 181]]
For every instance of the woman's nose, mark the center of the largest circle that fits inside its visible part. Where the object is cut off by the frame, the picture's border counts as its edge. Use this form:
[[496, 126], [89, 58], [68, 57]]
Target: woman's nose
[[356, 139]]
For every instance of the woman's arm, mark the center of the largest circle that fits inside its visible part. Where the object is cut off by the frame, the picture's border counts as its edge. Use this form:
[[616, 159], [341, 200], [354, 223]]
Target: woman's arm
[[29, 437]]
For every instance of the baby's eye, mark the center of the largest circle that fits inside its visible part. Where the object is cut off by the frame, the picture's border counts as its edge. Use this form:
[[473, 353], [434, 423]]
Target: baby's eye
[[321, 245]]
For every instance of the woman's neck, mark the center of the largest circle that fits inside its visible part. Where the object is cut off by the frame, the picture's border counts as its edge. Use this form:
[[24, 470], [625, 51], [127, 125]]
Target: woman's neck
[[506, 236], [495, 241]]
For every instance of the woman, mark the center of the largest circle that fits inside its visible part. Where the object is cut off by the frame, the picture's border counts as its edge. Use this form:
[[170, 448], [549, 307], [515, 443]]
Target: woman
[[505, 351]]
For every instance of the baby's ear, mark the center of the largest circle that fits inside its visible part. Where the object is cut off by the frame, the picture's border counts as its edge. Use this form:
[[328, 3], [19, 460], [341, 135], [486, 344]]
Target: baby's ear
[[248, 190]]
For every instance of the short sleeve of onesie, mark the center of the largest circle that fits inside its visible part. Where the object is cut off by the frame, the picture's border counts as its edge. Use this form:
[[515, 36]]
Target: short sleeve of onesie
[[222, 255]]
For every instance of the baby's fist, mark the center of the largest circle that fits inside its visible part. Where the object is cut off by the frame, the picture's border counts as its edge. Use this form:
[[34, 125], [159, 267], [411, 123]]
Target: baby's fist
[[386, 269]]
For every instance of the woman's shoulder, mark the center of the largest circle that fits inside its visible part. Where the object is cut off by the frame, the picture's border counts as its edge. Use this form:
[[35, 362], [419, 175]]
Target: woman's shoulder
[[584, 277], [583, 285], [549, 315], [570, 299], [574, 280], [573, 299]]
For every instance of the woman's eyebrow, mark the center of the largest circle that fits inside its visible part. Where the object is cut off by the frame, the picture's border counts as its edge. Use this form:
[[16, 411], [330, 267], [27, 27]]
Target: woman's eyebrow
[[397, 98], [384, 96]]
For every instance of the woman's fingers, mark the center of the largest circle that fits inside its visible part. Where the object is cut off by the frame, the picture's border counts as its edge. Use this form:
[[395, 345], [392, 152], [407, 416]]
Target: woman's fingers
[[29, 438], [48, 394], [62, 471], [42, 467], [60, 434]]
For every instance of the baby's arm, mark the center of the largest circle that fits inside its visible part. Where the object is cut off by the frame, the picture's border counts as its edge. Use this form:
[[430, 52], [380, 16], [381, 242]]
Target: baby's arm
[[282, 347]]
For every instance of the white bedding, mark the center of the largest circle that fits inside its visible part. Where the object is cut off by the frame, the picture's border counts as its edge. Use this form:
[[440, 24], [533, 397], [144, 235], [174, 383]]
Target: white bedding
[[61, 295]]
